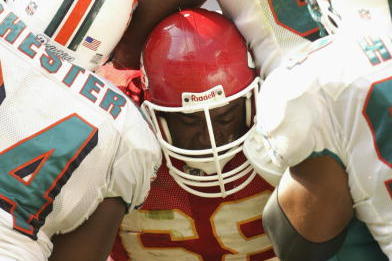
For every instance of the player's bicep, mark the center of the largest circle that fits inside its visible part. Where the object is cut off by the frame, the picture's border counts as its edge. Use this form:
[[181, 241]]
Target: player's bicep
[[315, 197], [146, 15], [307, 215]]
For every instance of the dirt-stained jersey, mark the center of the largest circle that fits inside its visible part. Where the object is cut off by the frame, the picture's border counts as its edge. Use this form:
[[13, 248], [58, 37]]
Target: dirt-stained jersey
[[176, 225], [336, 99], [68, 140]]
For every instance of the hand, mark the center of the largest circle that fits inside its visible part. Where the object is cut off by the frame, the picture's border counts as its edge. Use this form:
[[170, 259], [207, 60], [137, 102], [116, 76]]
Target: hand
[[128, 81]]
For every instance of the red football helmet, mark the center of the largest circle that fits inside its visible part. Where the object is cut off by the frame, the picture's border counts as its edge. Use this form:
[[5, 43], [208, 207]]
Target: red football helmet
[[196, 60]]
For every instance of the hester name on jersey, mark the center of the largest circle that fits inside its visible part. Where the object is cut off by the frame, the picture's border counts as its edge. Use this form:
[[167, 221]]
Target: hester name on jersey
[[69, 139], [93, 88]]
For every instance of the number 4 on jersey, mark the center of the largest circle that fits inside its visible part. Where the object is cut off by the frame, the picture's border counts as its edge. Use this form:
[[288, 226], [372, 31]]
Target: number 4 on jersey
[[33, 170]]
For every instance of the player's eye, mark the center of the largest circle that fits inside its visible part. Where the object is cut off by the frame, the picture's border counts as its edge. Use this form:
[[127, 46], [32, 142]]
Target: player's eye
[[226, 119], [189, 120]]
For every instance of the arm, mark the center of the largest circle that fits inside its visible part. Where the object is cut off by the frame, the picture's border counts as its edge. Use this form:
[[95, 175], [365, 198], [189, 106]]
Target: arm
[[251, 21], [314, 207], [317, 190], [147, 14], [93, 240]]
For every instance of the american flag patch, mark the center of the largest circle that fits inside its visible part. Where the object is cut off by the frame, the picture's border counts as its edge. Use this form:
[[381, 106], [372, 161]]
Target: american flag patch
[[91, 43]]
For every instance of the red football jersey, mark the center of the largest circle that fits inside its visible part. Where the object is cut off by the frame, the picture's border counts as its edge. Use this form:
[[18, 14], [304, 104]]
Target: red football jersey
[[176, 225]]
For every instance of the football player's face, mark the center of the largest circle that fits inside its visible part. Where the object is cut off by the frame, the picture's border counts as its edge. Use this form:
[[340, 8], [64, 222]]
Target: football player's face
[[189, 131]]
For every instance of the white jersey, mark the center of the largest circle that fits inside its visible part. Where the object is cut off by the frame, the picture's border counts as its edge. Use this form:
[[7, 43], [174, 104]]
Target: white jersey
[[68, 140], [273, 28], [336, 99]]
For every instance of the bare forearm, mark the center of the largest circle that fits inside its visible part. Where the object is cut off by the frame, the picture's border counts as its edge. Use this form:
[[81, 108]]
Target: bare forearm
[[93, 240], [253, 24], [147, 14], [308, 212], [316, 199]]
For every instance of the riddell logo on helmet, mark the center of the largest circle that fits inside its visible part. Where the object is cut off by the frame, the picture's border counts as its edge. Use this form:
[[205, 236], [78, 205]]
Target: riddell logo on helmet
[[214, 94], [205, 97]]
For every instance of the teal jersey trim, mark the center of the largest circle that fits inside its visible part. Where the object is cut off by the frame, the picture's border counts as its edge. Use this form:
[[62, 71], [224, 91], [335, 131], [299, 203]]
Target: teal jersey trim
[[359, 245], [329, 153], [294, 16]]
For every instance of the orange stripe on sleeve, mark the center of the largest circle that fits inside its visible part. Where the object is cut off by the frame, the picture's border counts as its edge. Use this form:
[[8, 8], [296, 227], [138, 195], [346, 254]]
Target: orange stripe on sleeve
[[73, 21]]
